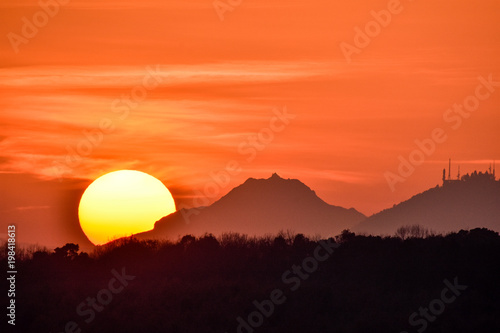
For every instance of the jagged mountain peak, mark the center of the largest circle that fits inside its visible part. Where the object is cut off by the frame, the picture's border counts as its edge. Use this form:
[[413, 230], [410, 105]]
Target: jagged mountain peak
[[259, 207], [272, 190]]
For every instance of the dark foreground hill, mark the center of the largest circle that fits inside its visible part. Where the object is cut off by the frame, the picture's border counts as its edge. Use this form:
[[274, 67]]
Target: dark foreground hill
[[473, 202], [235, 284], [259, 207]]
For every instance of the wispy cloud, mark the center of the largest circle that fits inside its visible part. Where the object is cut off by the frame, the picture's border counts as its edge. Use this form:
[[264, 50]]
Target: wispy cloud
[[31, 208]]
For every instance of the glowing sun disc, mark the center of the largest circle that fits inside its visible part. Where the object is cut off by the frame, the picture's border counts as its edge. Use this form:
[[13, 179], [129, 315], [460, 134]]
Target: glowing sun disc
[[122, 203]]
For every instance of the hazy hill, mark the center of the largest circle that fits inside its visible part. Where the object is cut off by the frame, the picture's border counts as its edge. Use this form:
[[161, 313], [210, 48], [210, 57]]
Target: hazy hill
[[471, 202], [257, 207]]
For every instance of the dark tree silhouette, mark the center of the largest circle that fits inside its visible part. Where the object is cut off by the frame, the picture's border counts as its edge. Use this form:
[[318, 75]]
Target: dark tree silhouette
[[68, 251], [368, 284]]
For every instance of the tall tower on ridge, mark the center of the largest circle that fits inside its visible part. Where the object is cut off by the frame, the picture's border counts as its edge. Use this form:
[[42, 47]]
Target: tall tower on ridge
[[449, 169]]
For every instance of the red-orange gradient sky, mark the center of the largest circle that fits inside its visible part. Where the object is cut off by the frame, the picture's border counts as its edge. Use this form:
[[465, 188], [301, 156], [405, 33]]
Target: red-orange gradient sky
[[212, 83]]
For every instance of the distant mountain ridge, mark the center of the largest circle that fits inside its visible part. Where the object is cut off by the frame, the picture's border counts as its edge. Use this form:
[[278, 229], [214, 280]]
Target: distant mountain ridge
[[258, 207], [473, 201], [268, 206]]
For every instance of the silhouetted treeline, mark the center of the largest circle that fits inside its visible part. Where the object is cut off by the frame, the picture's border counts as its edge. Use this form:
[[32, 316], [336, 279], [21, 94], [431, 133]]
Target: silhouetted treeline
[[366, 284]]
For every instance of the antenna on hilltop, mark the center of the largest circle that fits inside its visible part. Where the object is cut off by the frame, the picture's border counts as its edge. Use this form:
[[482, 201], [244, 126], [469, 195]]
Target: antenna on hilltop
[[458, 176], [449, 169]]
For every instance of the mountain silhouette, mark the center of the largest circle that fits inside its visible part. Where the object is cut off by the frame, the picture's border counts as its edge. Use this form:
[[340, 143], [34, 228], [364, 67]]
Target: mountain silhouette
[[259, 207], [473, 201]]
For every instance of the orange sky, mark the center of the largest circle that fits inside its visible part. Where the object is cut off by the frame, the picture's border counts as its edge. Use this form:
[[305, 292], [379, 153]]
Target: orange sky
[[212, 84]]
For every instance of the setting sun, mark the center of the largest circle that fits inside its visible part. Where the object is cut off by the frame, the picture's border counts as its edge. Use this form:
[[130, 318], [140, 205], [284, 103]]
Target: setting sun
[[122, 203]]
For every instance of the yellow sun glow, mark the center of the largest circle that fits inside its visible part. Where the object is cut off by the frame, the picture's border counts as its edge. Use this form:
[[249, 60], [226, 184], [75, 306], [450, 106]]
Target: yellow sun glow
[[122, 203]]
